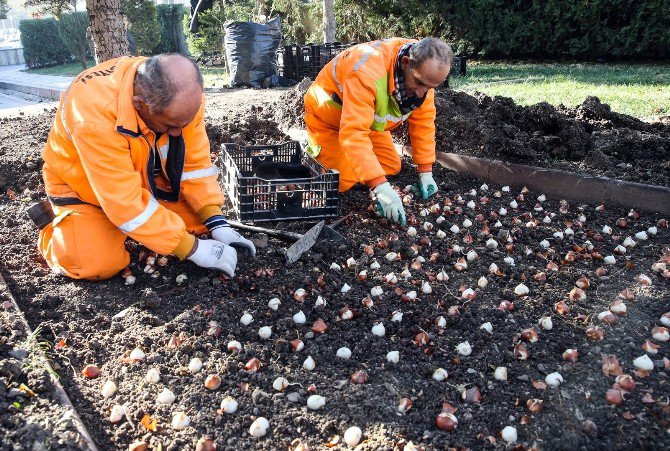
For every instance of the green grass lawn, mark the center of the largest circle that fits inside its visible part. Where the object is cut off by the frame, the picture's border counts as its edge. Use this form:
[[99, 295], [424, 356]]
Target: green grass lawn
[[64, 70], [214, 77], [640, 90]]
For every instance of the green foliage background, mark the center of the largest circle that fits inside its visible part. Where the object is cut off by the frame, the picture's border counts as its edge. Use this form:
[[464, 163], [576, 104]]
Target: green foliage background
[[72, 30], [142, 23], [546, 29], [42, 44]]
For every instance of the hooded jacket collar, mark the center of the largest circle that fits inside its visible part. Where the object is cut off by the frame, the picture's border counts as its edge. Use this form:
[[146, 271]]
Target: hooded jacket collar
[[128, 120]]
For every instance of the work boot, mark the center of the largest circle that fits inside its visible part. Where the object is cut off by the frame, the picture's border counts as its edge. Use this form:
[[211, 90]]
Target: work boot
[[41, 214]]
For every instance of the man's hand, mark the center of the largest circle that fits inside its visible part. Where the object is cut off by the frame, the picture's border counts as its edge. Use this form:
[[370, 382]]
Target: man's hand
[[389, 204], [426, 185], [214, 255], [227, 235]]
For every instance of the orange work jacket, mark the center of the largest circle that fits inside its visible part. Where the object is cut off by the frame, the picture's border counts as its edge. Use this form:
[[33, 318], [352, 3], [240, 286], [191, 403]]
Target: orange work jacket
[[353, 93], [99, 151]]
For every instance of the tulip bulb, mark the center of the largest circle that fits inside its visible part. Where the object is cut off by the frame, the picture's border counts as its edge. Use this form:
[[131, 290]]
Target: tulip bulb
[[274, 303], [464, 348], [299, 318], [554, 379], [446, 421], [393, 357], [280, 384], [212, 382], [195, 365], [153, 376], [246, 319], [315, 402], [509, 434], [180, 421], [344, 353], [309, 364], [259, 427], [166, 397], [108, 389], [229, 405], [352, 436], [117, 413], [379, 330], [500, 373], [440, 374], [660, 333]]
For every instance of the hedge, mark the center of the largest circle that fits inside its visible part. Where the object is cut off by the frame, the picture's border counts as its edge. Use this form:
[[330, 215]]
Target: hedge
[[42, 44], [594, 29], [170, 18]]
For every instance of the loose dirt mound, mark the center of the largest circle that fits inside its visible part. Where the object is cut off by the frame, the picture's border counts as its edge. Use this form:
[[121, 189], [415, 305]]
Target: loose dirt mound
[[590, 138]]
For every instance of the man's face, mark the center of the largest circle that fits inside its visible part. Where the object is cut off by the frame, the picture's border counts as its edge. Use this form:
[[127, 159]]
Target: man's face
[[174, 118], [420, 78]]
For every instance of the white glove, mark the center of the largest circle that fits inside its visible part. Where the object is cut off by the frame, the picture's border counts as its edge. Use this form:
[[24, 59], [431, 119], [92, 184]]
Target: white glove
[[389, 204], [215, 255], [227, 235]]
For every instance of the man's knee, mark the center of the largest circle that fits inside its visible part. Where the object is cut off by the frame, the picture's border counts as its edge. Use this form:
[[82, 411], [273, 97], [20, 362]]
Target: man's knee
[[81, 248]]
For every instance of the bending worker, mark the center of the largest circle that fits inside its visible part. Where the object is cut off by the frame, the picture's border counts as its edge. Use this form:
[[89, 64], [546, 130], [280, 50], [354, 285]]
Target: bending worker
[[360, 96], [128, 156]]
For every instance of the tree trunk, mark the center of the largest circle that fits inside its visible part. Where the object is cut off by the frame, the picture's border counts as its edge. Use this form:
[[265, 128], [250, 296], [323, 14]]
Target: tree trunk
[[329, 24], [261, 9], [107, 30]]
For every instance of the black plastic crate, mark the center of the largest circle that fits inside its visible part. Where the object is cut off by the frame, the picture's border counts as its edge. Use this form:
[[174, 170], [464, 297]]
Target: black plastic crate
[[458, 66], [299, 61], [256, 200]]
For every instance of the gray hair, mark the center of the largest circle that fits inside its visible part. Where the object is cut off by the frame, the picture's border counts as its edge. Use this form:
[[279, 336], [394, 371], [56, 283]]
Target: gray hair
[[154, 81], [430, 48]]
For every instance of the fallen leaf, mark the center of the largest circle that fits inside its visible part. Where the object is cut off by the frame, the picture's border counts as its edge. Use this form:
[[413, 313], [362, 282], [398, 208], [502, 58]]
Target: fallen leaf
[[24, 388], [149, 422], [334, 441]]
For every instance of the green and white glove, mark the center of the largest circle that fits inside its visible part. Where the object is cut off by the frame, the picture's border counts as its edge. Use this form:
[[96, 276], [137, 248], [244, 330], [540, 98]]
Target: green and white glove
[[389, 204], [426, 185]]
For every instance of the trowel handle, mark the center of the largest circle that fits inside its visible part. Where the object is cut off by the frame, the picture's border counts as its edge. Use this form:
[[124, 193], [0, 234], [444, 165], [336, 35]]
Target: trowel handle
[[340, 221], [282, 234]]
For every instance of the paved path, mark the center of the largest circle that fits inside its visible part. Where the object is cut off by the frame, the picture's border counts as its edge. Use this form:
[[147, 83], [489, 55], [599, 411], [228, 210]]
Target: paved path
[[19, 89]]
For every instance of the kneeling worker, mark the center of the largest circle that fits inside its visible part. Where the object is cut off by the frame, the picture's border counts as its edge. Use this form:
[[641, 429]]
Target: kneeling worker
[[128, 156], [363, 93]]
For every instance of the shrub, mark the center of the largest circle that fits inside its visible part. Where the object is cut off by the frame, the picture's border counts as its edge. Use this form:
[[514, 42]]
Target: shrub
[[142, 23], [209, 38], [172, 37], [72, 30], [42, 44]]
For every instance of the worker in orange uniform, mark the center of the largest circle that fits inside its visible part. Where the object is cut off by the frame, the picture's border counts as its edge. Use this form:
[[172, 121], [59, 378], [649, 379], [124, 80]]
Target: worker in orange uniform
[[360, 96], [128, 156]]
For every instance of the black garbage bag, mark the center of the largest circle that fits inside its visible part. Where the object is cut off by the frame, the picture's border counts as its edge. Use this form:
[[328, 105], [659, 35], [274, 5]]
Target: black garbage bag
[[251, 51]]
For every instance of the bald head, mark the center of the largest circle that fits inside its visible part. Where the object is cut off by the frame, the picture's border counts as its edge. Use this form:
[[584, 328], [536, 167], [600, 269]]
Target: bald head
[[167, 92], [162, 78]]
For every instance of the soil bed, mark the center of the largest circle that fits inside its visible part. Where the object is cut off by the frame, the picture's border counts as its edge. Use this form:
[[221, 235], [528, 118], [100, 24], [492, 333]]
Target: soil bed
[[101, 323]]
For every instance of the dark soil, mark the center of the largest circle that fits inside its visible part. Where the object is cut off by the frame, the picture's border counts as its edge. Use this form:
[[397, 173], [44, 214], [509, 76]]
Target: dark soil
[[103, 322]]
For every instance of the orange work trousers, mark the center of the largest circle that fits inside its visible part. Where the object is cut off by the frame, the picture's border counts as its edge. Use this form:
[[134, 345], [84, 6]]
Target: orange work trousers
[[332, 157], [82, 243]]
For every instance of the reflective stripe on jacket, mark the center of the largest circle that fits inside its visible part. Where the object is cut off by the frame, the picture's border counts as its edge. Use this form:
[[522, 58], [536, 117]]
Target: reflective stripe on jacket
[[100, 151], [353, 94]]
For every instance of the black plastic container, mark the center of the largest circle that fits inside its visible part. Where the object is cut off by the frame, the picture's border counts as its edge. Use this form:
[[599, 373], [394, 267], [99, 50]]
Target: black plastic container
[[257, 199]]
